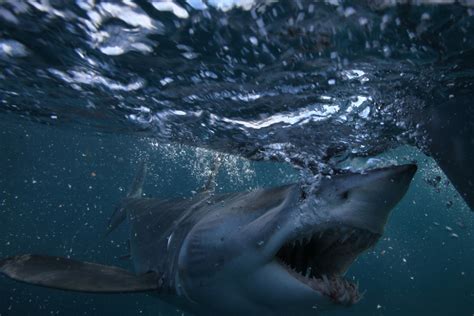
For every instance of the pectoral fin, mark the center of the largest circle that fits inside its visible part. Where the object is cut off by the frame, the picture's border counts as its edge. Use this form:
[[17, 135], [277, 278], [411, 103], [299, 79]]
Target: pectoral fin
[[72, 275]]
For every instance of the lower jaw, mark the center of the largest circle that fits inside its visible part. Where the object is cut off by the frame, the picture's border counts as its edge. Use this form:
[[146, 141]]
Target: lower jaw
[[335, 287]]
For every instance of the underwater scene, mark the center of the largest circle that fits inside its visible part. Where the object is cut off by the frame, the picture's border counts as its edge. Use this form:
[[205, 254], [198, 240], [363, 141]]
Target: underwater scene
[[236, 157]]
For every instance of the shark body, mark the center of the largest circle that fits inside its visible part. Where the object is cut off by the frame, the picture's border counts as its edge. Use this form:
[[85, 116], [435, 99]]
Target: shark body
[[281, 250]]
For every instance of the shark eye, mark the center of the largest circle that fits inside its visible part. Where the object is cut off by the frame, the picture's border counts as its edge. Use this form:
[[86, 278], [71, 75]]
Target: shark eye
[[345, 195]]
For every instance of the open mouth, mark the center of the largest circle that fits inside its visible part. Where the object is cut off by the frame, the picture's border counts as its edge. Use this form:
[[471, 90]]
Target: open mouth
[[320, 259]]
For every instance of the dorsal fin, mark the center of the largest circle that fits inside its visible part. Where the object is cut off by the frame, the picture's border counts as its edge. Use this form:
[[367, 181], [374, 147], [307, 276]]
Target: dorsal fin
[[135, 191]]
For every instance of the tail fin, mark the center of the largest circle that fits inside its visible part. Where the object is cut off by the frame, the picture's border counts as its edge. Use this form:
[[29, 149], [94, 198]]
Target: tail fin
[[136, 190]]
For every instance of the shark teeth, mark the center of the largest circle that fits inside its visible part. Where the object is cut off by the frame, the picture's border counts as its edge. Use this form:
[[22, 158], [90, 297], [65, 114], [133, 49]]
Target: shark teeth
[[319, 258], [338, 289]]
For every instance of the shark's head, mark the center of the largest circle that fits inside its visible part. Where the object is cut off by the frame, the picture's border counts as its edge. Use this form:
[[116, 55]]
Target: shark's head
[[285, 250]]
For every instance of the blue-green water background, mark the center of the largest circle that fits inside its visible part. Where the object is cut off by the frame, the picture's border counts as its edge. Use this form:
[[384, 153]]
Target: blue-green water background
[[52, 204], [88, 88]]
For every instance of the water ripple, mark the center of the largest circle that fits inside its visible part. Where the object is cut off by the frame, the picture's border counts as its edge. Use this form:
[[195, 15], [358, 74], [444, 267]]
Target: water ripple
[[299, 81]]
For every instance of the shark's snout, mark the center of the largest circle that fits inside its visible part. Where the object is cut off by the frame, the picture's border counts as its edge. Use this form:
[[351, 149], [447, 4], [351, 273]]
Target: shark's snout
[[368, 198], [403, 172], [409, 169]]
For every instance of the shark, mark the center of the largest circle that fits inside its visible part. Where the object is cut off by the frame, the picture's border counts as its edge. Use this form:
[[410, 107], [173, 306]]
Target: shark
[[279, 250]]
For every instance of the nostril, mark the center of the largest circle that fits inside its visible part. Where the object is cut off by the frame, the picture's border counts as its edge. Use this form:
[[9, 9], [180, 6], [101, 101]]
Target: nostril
[[345, 195], [303, 195]]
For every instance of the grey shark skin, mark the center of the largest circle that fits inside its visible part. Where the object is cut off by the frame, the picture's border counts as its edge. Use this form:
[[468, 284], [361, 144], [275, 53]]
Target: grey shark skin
[[281, 250]]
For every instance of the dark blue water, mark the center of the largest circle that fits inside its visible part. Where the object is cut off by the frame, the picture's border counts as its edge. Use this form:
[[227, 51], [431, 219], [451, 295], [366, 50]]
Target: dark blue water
[[59, 188], [89, 89]]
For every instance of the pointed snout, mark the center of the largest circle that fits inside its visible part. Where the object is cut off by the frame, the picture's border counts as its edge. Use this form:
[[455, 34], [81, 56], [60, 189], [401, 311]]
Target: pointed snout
[[373, 194], [409, 169], [403, 172], [386, 179]]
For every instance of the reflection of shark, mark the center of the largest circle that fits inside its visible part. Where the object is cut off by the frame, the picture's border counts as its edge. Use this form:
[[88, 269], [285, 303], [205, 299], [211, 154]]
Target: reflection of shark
[[279, 250]]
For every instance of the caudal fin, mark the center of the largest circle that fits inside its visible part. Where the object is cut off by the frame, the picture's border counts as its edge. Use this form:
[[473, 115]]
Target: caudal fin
[[135, 191], [73, 275]]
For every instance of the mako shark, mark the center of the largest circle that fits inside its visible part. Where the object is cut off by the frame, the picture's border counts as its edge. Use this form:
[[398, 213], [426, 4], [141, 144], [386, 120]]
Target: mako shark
[[281, 250]]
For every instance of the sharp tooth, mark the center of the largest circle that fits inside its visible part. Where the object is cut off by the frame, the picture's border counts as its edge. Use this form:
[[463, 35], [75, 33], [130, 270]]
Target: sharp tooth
[[325, 280], [346, 285], [345, 297]]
